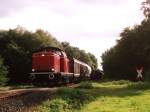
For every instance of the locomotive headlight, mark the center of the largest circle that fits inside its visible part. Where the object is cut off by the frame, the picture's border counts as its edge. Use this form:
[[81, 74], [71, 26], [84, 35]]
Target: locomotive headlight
[[53, 69], [33, 70], [43, 55]]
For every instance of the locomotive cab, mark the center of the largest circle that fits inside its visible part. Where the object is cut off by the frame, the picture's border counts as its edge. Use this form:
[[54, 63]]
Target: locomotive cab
[[46, 60], [45, 63]]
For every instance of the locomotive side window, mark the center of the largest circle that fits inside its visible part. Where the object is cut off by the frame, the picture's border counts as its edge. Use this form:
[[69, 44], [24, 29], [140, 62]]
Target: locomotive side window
[[58, 52]]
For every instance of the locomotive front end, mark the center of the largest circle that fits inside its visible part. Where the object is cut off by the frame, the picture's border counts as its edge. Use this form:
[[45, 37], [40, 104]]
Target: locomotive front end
[[45, 64]]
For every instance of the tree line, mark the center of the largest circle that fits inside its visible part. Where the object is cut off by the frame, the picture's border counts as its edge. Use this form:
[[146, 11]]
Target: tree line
[[17, 46], [132, 50]]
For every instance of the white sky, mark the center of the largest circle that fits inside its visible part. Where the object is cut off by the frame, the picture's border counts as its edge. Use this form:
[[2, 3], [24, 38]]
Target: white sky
[[91, 25]]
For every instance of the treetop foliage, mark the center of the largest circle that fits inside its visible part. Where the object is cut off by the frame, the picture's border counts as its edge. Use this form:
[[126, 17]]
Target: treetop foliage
[[132, 50], [146, 9], [75, 52]]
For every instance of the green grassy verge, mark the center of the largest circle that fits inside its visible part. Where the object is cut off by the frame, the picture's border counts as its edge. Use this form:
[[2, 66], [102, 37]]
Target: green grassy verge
[[114, 96]]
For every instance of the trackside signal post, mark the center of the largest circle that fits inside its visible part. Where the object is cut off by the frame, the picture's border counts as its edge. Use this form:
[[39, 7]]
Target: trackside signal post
[[139, 76]]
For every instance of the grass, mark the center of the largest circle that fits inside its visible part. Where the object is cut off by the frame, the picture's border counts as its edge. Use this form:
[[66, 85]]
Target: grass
[[120, 96], [86, 85], [19, 86]]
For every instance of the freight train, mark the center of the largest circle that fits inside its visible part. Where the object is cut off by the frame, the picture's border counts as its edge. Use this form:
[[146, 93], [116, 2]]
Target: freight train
[[51, 64]]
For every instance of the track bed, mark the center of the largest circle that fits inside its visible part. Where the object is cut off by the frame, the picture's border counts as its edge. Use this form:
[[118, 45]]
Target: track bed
[[24, 100]]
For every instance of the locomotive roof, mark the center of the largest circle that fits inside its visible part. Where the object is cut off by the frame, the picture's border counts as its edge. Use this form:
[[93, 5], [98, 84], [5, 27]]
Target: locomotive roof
[[47, 48]]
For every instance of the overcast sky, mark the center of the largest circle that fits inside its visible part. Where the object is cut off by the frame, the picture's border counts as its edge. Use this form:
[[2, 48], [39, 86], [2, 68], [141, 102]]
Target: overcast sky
[[91, 25]]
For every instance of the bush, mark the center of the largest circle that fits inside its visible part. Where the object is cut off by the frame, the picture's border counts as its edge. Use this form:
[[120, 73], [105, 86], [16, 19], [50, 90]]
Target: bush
[[3, 73], [66, 100], [76, 98], [139, 85], [86, 85], [147, 75], [120, 82], [116, 82], [55, 105]]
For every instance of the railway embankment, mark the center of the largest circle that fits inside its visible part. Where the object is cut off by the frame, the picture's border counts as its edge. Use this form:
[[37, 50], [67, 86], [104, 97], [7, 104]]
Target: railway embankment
[[27, 99]]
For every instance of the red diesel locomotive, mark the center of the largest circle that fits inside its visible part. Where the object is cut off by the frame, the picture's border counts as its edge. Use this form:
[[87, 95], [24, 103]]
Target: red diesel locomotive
[[52, 64]]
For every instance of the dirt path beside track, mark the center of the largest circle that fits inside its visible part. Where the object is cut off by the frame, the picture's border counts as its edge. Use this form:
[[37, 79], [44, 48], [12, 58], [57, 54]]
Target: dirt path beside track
[[25, 100]]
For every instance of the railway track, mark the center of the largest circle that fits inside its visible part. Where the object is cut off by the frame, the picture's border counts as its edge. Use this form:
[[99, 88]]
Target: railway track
[[5, 95]]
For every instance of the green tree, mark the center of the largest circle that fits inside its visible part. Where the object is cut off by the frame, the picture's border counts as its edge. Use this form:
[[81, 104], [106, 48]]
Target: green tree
[[132, 50], [146, 9], [3, 73], [94, 63], [17, 46], [75, 52]]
